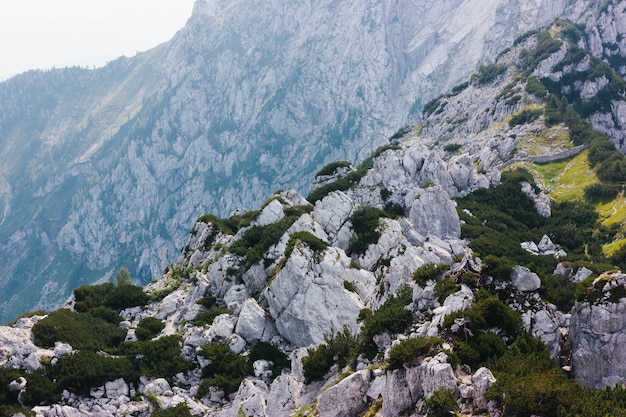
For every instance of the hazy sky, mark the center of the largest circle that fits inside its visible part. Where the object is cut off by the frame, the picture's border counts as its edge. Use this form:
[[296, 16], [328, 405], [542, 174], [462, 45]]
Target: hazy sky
[[58, 33]]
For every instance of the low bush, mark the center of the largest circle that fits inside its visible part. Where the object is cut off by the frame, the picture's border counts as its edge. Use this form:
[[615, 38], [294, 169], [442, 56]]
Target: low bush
[[429, 271], [332, 168], [180, 410], [159, 358], [342, 184], [442, 403], [339, 348], [408, 350], [263, 350], [365, 223], [81, 331], [525, 116], [391, 317], [226, 369], [206, 317], [148, 327], [313, 242], [108, 295], [488, 73], [83, 370]]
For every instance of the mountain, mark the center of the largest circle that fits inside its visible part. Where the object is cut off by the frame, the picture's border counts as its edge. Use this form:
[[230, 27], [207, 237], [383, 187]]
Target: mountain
[[110, 167], [470, 265]]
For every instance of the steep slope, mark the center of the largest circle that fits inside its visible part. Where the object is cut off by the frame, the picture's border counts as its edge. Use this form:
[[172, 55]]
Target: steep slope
[[389, 289], [244, 100]]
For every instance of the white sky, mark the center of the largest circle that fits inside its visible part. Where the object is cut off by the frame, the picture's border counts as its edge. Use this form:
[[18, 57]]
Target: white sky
[[41, 34]]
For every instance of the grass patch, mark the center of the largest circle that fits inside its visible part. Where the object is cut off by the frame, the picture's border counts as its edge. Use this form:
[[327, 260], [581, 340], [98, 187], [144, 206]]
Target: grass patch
[[568, 179]]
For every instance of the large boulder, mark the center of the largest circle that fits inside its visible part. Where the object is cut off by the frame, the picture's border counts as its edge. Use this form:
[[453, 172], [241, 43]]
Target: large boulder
[[523, 279], [433, 213], [308, 298], [598, 335], [347, 398]]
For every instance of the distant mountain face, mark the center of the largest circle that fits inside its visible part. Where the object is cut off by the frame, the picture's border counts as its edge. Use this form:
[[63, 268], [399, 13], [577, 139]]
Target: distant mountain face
[[111, 167]]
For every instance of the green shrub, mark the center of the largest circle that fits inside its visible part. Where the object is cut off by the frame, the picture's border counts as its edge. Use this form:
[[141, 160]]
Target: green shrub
[[180, 410], [429, 271], [269, 352], [83, 370], [105, 313], [206, 317], [488, 73], [392, 317], [332, 168], [159, 358], [534, 87], [226, 369], [410, 349], [525, 116], [207, 301], [148, 327], [365, 224], [109, 295], [313, 242], [349, 286], [40, 390], [445, 287], [257, 240], [339, 348], [342, 184], [81, 331], [452, 147], [442, 403]]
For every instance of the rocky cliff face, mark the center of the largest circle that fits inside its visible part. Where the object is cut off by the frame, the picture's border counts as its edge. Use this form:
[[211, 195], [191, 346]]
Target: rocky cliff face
[[301, 272], [243, 100]]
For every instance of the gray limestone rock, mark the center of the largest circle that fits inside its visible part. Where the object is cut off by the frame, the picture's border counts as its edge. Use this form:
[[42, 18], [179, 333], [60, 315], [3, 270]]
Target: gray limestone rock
[[347, 398], [523, 279], [598, 335], [433, 213]]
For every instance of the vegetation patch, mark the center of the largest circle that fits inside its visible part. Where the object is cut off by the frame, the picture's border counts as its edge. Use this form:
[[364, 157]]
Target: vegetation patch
[[331, 168], [408, 350], [365, 223]]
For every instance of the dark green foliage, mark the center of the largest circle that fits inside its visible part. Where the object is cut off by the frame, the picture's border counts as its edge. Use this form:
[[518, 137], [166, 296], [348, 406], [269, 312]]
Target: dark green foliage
[[108, 295], [498, 267], [83, 370], [488, 73], [106, 314], [534, 87], [433, 105], [226, 369], [391, 317], [394, 210], [602, 193], [452, 147], [476, 341], [528, 382], [206, 317], [258, 239], [365, 224], [339, 348], [123, 277], [342, 184], [180, 410], [349, 286], [40, 390], [442, 403], [559, 290], [458, 88], [148, 327], [6, 376], [231, 225], [385, 194], [400, 133], [408, 350], [332, 167], [269, 352], [369, 161], [546, 46], [429, 271], [445, 287], [207, 301], [525, 116], [159, 358], [313, 242], [81, 331]]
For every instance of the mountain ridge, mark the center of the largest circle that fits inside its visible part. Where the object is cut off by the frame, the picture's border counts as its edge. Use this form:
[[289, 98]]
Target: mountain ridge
[[388, 295]]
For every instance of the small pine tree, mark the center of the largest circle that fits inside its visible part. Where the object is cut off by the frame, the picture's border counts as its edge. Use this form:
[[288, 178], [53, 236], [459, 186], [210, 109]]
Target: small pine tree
[[123, 277]]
